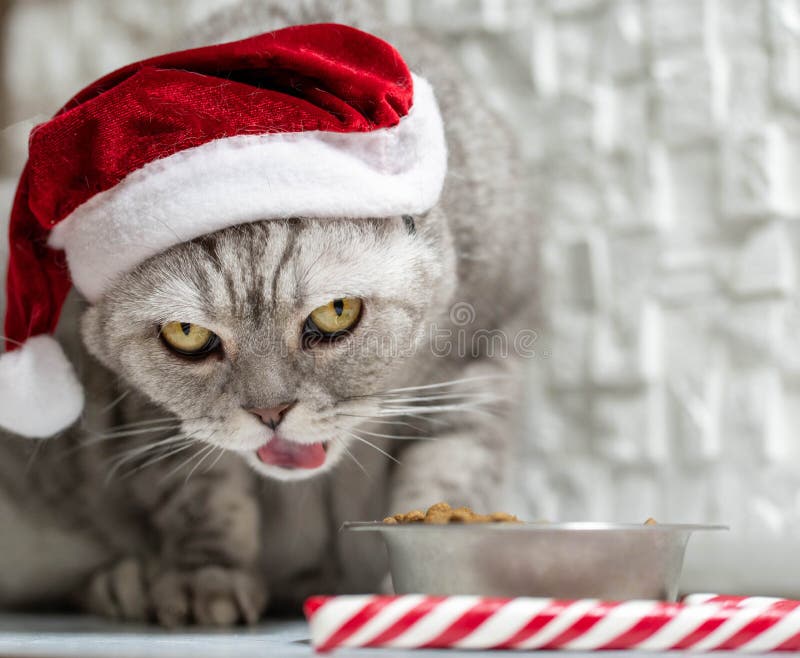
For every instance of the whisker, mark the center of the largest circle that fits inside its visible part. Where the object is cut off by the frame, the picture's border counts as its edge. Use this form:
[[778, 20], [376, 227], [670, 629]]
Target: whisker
[[115, 401], [183, 442], [132, 453], [136, 429], [451, 382], [219, 456], [182, 465], [142, 423], [353, 457], [33, 455], [11, 340], [371, 445], [187, 444], [428, 419], [138, 449], [129, 453], [467, 397], [433, 395], [185, 463], [98, 438], [148, 421], [208, 451], [372, 419], [394, 411], [80, 445], [388, 436]]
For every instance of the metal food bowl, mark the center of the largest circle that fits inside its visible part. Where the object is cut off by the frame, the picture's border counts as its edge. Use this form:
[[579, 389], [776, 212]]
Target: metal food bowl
[[611, 561]]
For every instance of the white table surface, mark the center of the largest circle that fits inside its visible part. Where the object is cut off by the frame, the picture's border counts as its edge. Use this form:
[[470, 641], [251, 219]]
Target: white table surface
[[88, 637]]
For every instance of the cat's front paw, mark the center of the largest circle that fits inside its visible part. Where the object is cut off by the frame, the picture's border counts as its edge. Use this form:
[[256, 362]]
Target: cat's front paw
[[209, 596], [119, 592]]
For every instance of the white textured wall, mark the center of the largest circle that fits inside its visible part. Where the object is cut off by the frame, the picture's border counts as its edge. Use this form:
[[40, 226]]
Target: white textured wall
[[663, 138], [671, 162]]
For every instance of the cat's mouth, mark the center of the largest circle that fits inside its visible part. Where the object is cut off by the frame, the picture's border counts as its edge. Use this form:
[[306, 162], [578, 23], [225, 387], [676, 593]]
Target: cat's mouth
[[292, 455]]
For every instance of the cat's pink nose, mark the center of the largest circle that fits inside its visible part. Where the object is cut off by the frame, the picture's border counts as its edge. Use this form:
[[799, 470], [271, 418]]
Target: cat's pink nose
[[272, 416]]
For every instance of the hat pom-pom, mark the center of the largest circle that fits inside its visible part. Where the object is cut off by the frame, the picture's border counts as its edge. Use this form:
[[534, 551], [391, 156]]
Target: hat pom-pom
[[39, 392]]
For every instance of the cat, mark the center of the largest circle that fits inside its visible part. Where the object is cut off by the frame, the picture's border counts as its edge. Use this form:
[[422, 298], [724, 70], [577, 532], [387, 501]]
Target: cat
[[155, 505]]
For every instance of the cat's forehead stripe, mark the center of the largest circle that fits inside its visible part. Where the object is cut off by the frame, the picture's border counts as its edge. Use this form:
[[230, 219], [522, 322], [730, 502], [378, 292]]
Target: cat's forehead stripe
[[257, 271]]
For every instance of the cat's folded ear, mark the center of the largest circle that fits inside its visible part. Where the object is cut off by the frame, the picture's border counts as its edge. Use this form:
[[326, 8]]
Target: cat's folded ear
[[39, 392]]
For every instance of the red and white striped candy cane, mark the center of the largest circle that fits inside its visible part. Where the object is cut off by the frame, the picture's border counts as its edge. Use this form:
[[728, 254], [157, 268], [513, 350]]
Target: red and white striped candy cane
[[473, 622], [733, 601]]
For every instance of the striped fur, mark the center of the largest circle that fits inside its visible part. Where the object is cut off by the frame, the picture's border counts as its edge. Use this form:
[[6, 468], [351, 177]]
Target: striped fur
[[155, 505]]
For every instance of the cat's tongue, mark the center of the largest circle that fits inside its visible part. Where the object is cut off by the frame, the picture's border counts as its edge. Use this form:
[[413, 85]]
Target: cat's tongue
[[288, 454]]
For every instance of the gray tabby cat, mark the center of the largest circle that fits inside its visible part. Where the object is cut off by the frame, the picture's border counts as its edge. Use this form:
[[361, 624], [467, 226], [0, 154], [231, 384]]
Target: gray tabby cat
[[156, 504]]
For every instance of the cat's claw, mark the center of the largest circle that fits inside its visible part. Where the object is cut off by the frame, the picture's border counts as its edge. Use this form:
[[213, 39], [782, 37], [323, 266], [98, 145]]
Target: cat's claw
[[210, 596], [119, 592]]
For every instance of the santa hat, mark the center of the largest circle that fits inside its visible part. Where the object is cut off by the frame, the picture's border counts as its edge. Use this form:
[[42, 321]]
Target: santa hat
[[314, 120]]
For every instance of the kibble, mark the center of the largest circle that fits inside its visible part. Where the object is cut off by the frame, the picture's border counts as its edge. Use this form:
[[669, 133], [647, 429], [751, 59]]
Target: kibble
[[442, 514]]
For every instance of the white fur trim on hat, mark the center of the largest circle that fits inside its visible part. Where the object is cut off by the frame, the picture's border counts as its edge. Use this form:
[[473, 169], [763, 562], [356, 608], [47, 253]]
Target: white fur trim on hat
[[246, 178], [39, 392]]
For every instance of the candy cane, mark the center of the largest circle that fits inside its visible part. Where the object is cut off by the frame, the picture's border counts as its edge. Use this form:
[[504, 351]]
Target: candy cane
[[730, 601], [472, 622]]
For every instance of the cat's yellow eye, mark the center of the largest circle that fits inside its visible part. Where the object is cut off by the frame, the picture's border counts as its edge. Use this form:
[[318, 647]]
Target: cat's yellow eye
[[335, 318], [189, 339]]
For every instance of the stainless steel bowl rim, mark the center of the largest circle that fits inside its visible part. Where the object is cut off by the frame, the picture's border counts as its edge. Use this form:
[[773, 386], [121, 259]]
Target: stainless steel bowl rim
[[590, 526]]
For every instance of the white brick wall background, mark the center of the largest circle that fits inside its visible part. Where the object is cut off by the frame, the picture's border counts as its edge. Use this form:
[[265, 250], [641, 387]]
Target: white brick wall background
[[663, 139]]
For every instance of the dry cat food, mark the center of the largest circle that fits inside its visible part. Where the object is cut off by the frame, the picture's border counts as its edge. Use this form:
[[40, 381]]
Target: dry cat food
[[442, 513]]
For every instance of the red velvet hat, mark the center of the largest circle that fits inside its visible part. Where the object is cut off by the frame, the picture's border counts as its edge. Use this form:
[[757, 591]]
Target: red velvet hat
[[314, 120]]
